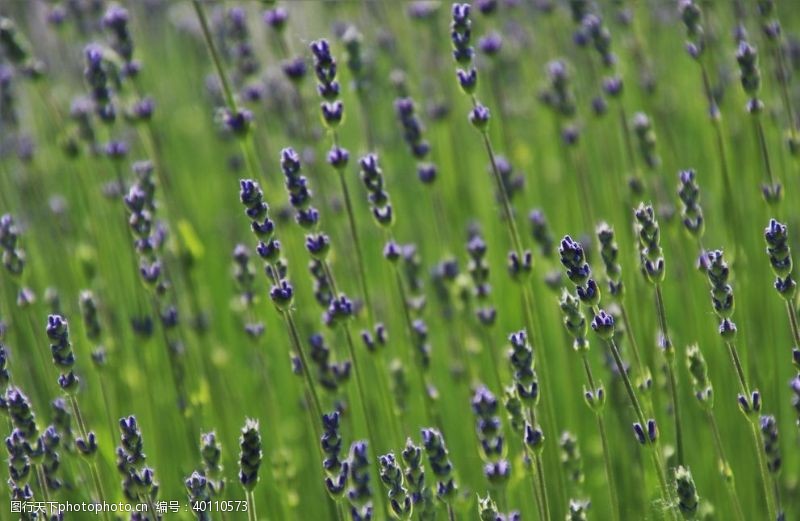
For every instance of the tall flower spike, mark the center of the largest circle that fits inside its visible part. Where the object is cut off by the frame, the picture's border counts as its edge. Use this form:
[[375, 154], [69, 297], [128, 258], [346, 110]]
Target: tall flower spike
[[609, 253], [490, 436], [521, 358], [61, 348], [328, 87], [721, 292], [249, 455], [359, 493], [772, 449], [776, 235], [22, 417], [372, 177], [336, 470], [698, 371], [211, 455], [646, 135], [440, 463], [571, 457], [692, 212], [197, 488], [392, 478], [414, 472], [650, 253]]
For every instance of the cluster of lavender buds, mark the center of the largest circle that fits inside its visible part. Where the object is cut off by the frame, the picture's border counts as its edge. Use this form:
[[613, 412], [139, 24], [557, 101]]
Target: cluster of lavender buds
[[794, 385], [578, 271], [692, 212], [336, 469], [62, 421], [749, 74], [327, 85], [299, 193], [19, 462], [51, 460], [492, 443], [249, 455], [440, 463], [686, 492], [574, 320], [413, 134], [487, 511], [463, 53], [96, 73], [521, 357], [331, 375], [149, 236], [478, 268], [571, 457], [646, 137], [372, 177], [17, 51], [323, 293], [721, 293], [392, 478], [138, 480], [609, 253], [115, 21], [244, 275], [650, 253], [723, 302], [540, 232], [595, 31], [268, 248], [240, 48], [772, 449], [89, 314], [19, 410], [513, 182], [211, 454], [780, 259], [698, 372], [197, 489], [359, 492], [414, 472], [558, 94], [13, 254], [691, 15], [63, 355]]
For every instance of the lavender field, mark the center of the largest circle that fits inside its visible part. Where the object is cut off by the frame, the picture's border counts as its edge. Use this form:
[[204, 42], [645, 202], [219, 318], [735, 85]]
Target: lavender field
[[338, 259]]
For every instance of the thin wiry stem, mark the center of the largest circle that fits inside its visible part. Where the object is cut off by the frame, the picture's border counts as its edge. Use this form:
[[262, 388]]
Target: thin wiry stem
[[669, 355], [612, 491], [762, 464], [725, 468]]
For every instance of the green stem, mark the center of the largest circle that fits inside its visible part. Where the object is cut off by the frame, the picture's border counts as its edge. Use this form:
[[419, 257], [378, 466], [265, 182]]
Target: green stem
[[762, 464], [351, 221], [669, 355], [312, 390], [251, 512], [727, 473]]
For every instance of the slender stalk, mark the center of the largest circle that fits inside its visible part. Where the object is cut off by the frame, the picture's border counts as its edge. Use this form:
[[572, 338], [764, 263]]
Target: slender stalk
[[351, 221], [612, 492], [311, 388], [98, 484], [526, 291], [669, 355], [251, 512], [733, 497], [762, 464]]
